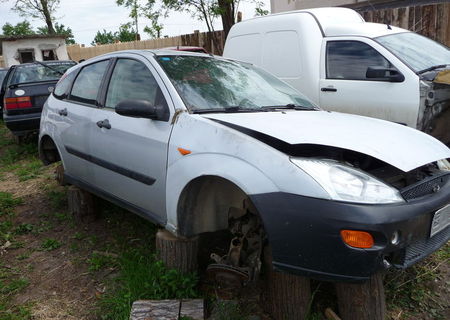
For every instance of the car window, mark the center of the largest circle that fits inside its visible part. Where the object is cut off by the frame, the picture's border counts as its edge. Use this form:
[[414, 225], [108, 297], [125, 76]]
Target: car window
[[131, 79], [86, 86], [349, 60], [2, 75], [39, 73], [62, 87]]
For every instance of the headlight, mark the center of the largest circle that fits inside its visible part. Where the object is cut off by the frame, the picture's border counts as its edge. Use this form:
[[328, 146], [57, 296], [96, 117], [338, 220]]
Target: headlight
[[347, 184]]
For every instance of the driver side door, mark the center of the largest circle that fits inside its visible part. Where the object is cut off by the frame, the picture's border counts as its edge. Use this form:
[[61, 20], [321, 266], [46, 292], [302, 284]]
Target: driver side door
[[344, 86]]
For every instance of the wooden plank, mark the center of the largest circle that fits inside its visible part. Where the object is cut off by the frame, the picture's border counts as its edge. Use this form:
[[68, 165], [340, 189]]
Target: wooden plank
[[167, 309]]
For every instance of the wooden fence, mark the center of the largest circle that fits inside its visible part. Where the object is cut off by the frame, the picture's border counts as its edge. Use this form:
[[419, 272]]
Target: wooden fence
[[205, 40], [2, 62], [430, 20]]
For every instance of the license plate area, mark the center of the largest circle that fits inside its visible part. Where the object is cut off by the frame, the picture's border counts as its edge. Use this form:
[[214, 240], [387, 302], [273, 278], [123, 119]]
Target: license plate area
[[441, 220]]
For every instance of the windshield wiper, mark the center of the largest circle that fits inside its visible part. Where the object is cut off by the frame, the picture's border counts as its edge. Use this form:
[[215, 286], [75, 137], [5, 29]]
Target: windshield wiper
[[231, 109], [56, 70], [432, 68], [290, 106]]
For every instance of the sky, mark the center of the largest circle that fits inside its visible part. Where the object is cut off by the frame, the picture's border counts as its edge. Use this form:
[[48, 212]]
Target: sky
[[86, 17]]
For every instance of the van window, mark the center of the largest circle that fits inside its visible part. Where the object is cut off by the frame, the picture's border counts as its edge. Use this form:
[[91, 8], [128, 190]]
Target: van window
[[349, 60], [86, 86], [282, 54], [131, 79]]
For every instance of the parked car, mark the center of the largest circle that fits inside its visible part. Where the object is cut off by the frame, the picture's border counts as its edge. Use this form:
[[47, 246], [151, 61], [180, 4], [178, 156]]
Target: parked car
[[187, 48], [197, 143], [24, 91], [3, 72], [345, 64]]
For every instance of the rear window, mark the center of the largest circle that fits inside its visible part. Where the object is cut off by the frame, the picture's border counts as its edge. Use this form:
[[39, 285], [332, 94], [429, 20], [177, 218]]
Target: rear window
[[39, 73]]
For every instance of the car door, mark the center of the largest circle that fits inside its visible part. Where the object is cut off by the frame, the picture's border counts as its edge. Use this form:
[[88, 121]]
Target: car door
[[74, 113], [130, 153], [345, 87]]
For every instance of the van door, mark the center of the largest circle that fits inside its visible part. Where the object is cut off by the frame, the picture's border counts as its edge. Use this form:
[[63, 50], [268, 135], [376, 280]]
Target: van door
[[130, 154], [345, 85]]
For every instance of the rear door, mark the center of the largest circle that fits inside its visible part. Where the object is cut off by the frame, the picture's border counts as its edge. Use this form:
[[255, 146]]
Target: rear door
[[74, 114], [344, 86], [130, 154]]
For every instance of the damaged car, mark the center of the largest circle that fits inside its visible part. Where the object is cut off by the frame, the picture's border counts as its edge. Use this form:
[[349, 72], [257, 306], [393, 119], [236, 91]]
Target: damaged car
[[196, 144]]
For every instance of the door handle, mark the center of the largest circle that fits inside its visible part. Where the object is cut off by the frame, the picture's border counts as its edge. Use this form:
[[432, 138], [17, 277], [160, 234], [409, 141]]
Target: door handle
[[328, 89], [63, 112], [104, 124]]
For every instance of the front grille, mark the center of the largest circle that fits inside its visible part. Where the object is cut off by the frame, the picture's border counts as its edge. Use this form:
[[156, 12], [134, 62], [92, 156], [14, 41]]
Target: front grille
[[422, 248], [425, 187]]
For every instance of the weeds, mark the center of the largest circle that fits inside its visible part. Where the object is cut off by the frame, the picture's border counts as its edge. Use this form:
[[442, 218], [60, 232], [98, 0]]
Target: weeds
[[8, 202], [57, 197], [50, 244], [99, 261], [24, 228], [142, 276], [29, 170]]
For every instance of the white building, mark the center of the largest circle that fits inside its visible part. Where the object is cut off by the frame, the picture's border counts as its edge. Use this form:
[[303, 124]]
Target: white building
[[288, 5], [23, 49]]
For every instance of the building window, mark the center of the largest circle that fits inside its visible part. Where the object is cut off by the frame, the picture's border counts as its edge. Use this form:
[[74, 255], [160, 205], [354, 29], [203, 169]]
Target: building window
[[49, 55], [26, 55]]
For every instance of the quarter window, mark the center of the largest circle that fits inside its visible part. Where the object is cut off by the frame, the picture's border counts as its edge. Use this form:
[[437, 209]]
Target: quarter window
[[86, 86], [62, 87], [349, 60], [131, 79]]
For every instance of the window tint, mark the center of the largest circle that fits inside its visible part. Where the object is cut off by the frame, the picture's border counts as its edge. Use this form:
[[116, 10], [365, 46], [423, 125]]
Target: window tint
[[131, 79], [349, 60], [62, 87], [86, 86]]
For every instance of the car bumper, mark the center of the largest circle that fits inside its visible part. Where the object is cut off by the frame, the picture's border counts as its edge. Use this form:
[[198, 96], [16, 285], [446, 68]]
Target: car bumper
[[23, 123], [304, 234]]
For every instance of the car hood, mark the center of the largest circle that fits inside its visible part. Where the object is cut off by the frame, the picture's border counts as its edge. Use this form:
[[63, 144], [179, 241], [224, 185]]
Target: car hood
[[400, 146]]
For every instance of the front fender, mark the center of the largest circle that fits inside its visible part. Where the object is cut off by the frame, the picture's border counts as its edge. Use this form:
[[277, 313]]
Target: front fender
[[247, 177]]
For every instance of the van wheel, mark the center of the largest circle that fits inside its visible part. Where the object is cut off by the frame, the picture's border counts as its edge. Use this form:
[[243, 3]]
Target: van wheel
[[362, 301]]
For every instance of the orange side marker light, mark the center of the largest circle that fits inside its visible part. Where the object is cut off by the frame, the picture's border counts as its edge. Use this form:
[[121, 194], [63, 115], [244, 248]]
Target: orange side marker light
[[357, 239], [184, 152]]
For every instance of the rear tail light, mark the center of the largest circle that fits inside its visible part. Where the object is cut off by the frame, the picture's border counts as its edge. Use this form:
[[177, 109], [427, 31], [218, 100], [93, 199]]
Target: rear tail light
[[17, 103]]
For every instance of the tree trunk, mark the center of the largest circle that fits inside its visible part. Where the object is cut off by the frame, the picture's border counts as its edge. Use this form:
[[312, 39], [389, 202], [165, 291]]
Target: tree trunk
[[81, 205], [287, 296], [362, 301], [177, 253], [227, 14], [47, 16]]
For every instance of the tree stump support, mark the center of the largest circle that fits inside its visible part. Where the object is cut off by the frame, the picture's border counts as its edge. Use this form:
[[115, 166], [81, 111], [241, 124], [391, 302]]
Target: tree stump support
[[362, 301], [81, 205], [167, 309], [287, 296], [176, 252]]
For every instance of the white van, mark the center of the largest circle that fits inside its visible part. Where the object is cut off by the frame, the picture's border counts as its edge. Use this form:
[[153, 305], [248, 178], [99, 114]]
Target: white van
[[345, 64]]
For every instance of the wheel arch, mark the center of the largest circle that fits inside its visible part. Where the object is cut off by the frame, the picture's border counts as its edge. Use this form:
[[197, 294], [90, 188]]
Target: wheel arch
[[48, 150]]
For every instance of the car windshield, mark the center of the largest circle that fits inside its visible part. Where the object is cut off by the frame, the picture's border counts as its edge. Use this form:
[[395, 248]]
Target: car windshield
[[409, 47], [211, 84], [38, 73]]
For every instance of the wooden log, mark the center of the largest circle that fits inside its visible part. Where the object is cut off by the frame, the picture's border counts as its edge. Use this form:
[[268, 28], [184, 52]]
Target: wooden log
[[59, 175], [362, 301], [167, 309], [287, 296], [81, 205], [177, 253]]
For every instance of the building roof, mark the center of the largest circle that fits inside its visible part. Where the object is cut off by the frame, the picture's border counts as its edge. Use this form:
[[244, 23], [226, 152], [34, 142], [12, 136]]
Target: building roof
[[32, 36]]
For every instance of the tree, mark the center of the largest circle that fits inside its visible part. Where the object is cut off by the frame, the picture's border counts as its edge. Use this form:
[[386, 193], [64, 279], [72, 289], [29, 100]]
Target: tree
[[59, 29], [21, 29], [125, 33], [146, 9], [38, 9]]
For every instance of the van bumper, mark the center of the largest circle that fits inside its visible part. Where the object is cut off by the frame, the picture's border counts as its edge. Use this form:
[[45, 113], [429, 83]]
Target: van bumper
[[304, 234]]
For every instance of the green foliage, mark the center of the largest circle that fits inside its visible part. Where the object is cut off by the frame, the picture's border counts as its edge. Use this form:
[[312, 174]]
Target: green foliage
[[8, 202], [145, 9], [23, 228], [57, 197], [38, 9], [50, 244], [29, 170], [99, 261], [125, 33], [230, 310], [15, 313], [10, 286], [59, 29], [143, 277], [20, 29]]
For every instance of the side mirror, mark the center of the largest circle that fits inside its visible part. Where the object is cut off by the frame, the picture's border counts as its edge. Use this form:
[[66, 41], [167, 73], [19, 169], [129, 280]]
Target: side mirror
[[384, 74], [141, 109]]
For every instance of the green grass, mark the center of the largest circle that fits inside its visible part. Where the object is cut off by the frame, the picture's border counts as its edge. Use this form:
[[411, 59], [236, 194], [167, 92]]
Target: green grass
[[99, 261], [15, 313], [50, 244], [8, 202], [29, 170], [24, 228], [143, 277], [57, 197]]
